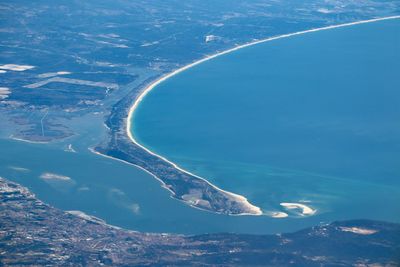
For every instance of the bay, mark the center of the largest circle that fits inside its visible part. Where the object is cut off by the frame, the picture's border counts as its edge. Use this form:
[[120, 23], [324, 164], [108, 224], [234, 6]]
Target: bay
[[310, 119]]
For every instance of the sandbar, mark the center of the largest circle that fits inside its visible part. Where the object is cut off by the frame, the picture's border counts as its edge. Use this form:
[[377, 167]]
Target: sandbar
[[305, 210]]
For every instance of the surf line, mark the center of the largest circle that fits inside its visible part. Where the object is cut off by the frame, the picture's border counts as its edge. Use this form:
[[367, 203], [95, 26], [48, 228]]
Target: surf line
[[154, 84]]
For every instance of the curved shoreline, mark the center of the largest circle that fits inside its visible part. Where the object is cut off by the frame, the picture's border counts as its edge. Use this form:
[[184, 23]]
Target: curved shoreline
[[163, 185], [254, 209]]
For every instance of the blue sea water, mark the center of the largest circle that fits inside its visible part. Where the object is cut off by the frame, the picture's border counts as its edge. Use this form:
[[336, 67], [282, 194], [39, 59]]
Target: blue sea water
[[312, 119], [248, 123]]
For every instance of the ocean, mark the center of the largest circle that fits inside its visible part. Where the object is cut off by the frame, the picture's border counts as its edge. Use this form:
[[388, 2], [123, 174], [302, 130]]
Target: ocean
[[310, 119]]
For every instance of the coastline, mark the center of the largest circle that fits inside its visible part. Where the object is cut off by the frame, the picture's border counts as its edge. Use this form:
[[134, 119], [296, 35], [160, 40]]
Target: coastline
[[164, 185], [254, 210], [70, 232]]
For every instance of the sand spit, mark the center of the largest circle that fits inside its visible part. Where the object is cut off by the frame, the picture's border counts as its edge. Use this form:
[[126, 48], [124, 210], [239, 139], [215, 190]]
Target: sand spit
[[305, 210], [253, 210]]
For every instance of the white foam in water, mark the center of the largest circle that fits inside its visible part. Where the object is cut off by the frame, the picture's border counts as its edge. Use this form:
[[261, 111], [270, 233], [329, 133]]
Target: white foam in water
[[4, 92]]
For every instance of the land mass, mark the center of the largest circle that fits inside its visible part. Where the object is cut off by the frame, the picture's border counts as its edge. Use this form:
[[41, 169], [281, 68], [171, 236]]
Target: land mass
[[34, 233]]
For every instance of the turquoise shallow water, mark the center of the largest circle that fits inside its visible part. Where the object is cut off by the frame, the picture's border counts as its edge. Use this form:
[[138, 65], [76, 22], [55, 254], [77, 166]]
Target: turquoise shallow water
[[118, 193], [311, 118], [125, 196]]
